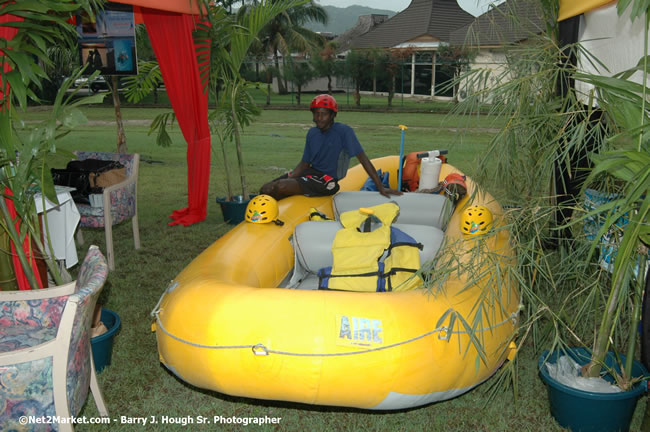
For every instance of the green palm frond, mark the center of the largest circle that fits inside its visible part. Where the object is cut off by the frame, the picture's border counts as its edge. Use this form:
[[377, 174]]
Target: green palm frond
[[159, 126], [147, 80], [44, 25], [639, 8], [257, 18]]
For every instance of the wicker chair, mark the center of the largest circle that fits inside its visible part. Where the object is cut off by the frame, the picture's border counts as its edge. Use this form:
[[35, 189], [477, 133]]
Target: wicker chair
[[46, 365]]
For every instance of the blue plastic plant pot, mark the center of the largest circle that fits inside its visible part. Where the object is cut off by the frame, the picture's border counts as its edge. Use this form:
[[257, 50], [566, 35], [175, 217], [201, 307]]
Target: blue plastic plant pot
[[585, 411], [234, 211], [103, 344]]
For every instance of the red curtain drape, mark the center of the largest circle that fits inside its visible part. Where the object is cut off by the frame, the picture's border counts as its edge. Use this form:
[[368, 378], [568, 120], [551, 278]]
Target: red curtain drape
[[8, 33], [171, 38], [21, 278]]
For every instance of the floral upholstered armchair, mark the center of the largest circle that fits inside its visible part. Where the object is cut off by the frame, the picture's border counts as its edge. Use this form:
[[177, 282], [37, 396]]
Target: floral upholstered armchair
[[120, 202], [46, 365]]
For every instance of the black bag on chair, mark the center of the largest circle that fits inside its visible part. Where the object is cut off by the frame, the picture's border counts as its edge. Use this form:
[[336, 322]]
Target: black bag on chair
[[77, 175], [76, 179]]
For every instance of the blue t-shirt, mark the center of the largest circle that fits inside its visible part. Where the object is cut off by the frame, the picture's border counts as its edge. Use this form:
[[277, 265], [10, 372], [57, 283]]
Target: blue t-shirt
[[330, 152]]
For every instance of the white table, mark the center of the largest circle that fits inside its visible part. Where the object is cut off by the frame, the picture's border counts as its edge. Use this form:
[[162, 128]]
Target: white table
[[62, 220]]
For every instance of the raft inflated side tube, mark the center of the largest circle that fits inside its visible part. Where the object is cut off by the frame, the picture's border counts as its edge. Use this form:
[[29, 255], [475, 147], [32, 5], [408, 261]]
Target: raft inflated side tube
[[222, 324]]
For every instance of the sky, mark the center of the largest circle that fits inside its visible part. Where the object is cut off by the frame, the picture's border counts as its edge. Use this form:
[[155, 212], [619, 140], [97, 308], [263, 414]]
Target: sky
[[475, 7]]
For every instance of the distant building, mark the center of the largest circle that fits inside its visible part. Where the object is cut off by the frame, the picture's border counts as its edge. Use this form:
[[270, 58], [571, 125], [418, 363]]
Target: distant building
[[327, 35], [427, 25], [423, 26], [512, 22], [365, 23]]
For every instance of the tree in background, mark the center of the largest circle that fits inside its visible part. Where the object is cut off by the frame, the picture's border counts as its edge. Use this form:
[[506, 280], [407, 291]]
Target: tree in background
[[355, 68], [394, 63], [383, 73], [323, 61], [299, 73], [285, 34], [259, 53], [453, 60], [113, 87], [376, 58]]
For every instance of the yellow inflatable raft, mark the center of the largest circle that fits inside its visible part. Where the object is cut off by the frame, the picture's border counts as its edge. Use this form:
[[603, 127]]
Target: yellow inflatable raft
[[224, 324]]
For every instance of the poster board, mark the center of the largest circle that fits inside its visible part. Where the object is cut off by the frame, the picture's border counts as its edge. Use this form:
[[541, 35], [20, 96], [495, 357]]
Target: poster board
[[107, 41]]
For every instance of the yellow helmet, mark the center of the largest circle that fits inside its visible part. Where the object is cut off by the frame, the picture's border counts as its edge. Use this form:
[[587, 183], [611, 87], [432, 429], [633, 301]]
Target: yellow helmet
[[262, 209], [475, 220]]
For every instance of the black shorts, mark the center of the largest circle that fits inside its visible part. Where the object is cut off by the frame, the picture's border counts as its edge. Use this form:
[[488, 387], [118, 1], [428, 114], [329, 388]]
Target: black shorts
[[315, 183]]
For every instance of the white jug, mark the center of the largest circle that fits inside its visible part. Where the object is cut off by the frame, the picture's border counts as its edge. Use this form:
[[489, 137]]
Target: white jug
[[429, 173]]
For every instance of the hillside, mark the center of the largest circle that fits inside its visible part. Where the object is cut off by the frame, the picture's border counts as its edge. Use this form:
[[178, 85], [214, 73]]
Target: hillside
[[343, 19]]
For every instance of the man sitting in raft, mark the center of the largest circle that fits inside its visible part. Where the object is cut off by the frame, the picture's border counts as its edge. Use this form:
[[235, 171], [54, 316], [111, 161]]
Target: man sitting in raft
[[326, 157]]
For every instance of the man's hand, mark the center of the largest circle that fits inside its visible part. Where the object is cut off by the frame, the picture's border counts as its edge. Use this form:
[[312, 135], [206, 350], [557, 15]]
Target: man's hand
[[372, 173], [387, 192], [299, 169]]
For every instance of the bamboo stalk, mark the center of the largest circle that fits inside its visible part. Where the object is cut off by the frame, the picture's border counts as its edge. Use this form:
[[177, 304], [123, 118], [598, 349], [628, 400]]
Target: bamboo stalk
[[13, 235], [49, 261], [636, 317], [592, 369], [233, 101], [645, 77]]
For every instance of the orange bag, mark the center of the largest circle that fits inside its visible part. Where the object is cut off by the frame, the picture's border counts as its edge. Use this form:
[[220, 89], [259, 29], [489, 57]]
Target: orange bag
[[411, 172]]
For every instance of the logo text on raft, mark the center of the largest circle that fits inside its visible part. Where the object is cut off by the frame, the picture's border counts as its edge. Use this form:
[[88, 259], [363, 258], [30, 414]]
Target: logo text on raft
[[359, 331]]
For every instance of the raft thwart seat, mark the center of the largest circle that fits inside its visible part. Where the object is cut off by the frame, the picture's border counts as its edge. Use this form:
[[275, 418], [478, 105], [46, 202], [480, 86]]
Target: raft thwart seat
[[415, 208], [312, 242], [422, 217]]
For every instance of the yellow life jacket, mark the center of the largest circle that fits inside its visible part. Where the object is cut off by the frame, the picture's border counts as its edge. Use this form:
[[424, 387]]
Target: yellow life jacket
[[371, 255]]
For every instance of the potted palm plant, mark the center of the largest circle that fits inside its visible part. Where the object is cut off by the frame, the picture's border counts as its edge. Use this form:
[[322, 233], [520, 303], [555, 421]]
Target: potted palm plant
[[622, 245], [570, 303], [235, 108], [23, 161]]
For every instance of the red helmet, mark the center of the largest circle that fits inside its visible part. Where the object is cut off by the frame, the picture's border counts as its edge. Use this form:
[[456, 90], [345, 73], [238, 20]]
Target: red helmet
[[324, 101]]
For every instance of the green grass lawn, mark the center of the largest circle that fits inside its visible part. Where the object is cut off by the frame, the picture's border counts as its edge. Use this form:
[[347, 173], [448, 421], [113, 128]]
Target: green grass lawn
[[290, 100], [136, 385]]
